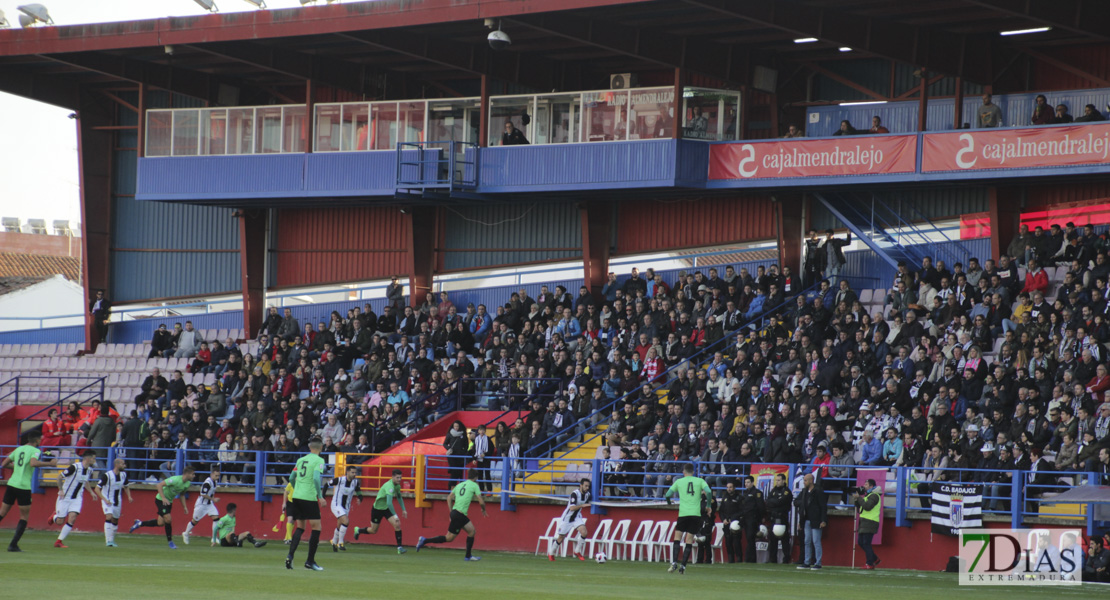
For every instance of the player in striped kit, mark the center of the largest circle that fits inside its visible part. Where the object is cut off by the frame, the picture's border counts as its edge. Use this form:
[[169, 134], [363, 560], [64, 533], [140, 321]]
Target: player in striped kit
[[77, 478], [205, 506], [344, 488], [111, 487], [572, 519]]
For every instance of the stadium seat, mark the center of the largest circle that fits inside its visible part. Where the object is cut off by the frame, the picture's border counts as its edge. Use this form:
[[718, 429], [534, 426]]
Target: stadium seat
[[548, 535], [661, 541], [865, 296], [618, 536]]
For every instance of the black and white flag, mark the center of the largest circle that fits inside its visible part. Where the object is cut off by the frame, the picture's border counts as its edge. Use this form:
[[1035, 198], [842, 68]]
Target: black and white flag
[[957, 506]]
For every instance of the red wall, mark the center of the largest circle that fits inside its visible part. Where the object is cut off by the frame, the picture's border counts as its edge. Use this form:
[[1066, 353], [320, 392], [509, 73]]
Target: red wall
[[664, 224], [333, 245], [1092, 59], [903, 547], [1042, 196]]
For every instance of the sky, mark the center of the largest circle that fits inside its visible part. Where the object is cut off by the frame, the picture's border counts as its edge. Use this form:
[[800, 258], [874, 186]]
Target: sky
[[38, 175]]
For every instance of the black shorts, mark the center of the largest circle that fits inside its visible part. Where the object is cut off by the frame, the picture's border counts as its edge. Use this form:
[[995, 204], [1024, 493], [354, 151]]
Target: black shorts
[[163, 509], [14, 495], [232, 543], [458, 521], [691, 525], [376, 515], [304, 510]]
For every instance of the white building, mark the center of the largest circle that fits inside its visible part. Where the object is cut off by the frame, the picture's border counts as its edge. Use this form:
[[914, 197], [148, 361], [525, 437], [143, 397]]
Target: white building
[[24, 300]]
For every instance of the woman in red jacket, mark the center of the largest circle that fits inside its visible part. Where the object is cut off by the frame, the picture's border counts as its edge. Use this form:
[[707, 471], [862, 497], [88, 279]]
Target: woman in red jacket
[[1036, 280], [55, 432]]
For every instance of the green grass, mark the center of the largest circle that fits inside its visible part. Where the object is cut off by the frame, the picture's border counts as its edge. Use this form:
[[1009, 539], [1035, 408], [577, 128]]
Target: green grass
[[143, 567]]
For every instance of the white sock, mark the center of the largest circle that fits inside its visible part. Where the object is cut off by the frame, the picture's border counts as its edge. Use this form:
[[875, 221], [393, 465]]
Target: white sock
[[189, 528], [578, 545], [65, 531], [113, 529], [107, 531], [341, 533], [552, 547]]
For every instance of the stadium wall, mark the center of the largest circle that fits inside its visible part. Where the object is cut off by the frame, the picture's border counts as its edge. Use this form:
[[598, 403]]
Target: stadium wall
[[913, 547], [508, 234], [647, 226], [313, 246]]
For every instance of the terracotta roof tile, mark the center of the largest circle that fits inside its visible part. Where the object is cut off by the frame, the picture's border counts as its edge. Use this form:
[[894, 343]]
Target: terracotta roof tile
[[36, 265]]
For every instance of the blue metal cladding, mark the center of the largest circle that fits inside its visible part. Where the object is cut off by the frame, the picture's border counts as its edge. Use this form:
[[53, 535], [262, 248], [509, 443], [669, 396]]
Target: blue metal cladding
[[145, 275], [363, 173], [933, 203], [633, 164], [690, 167], [248, 176], [138, 331], [874, 272], [901, 117], [72, 334], [511, 234]]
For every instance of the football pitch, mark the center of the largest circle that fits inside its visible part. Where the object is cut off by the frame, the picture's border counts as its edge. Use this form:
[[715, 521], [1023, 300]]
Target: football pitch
[[143, 567]]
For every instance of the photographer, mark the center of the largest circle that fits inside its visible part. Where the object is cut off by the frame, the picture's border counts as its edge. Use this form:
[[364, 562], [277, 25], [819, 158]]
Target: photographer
[[868, 502]]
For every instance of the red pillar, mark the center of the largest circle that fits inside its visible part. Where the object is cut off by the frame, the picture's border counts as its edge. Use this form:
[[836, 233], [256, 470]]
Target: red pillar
[[679, 114], [923, 101], [252, 263], [423, 223], [1005, 211], [597, 227], [789, 220], [94, 150], [483, 114]]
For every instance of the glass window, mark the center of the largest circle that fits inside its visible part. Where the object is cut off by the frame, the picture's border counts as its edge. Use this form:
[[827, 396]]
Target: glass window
[[213, 131], [383, 125], [556, 118], [240, 130], [515, 110], [606, 116], [356, 127], [185, 133], [652, 114], [268, 125], [710, 114], [411, 121], [159, 128], [453, 120], [294, 128], [327, 127]]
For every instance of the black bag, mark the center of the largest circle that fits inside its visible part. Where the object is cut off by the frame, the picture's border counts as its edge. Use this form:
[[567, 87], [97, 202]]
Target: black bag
[[953, 565]]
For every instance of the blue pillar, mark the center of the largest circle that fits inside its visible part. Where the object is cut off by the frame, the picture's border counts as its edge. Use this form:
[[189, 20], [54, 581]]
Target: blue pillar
[[111, 458], [179, 466], [1092, 480], [1016, 504], [901, 497], [260, 477], [506, 484], [36, 481], [596, 488]]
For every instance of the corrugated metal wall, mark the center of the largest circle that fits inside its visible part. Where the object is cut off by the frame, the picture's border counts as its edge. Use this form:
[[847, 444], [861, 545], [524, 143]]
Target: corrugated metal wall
[[483, 236], [874, 74], [934, 203], [162, 250], [555, 167], [871, 271], [73, 334], [332, 245], [138, 331], [1050, 195], [1088, 58], [644, 226]]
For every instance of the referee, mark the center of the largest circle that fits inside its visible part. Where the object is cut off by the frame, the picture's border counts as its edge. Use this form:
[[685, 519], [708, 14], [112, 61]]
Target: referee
[[308, 497]]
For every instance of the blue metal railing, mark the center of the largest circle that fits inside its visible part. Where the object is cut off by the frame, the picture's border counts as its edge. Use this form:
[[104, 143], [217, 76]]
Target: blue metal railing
[[92, 390], [444, 165]]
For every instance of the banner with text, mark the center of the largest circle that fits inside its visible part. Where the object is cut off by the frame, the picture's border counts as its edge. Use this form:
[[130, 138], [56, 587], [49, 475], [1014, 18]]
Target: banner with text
[[869, 155], [1016, 148]]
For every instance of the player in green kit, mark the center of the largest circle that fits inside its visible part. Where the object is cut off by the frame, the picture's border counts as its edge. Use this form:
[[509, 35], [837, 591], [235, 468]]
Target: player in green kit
[[383, 509], [690, 491], [308, 498], [225, 530], [22, 461], [463, 494], [168, 489]]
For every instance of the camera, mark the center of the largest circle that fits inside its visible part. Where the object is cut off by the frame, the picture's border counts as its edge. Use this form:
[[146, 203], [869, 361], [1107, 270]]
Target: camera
[[860, 490], [499, 40]]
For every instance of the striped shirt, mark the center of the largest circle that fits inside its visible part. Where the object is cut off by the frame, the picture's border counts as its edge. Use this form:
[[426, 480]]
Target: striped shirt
[[73, 480]]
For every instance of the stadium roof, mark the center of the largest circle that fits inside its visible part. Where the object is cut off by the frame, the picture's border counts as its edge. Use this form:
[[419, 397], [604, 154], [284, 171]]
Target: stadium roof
[[557, 44]]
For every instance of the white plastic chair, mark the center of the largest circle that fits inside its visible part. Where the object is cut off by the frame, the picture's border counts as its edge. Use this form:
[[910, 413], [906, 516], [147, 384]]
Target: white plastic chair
[[661, 546], [600, 536], [618, 537], [548, 535], [717, 551], [640, 541]]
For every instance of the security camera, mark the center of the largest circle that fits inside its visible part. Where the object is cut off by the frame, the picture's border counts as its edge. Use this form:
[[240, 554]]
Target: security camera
[[499, 40]]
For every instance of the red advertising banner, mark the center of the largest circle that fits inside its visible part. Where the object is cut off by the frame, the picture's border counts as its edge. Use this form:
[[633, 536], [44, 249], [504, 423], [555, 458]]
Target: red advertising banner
[[1016, 148], [860, 155]]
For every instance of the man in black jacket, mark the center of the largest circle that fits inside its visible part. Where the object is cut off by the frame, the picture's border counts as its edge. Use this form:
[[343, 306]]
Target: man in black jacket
[[101, 310], [751, 512], [812, 510], [778, 509], [730, 513], [161, 341]]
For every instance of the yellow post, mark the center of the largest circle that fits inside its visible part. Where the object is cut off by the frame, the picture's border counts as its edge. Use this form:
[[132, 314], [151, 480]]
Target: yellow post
[[421, 473]]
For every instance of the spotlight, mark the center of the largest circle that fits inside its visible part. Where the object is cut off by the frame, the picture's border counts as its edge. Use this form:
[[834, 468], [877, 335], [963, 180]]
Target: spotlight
[[3, 20], [208, 5], [258, 3], [37, 14]]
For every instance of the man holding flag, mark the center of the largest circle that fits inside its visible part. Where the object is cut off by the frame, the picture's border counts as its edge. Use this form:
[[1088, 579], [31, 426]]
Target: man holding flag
[[869, 505]]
